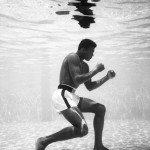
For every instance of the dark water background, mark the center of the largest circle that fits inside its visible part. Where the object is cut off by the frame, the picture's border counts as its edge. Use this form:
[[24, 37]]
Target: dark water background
[[36, 35]]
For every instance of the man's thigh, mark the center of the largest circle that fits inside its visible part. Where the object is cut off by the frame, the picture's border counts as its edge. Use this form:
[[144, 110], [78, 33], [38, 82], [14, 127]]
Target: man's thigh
[[88, 105], [74, 116]]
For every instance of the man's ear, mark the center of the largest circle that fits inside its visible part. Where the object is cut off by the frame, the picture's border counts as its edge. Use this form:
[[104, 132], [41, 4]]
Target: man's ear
[[82, 49]]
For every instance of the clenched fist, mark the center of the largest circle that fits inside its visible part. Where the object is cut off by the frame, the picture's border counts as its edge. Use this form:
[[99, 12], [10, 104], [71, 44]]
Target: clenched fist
[[111, 74], [99, 67]]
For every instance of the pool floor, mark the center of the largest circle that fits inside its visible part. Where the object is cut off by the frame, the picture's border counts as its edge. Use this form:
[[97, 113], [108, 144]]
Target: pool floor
[[117, 135]]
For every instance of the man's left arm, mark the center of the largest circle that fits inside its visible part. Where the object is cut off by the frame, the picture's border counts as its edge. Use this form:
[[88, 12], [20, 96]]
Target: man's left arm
[[91, 85]]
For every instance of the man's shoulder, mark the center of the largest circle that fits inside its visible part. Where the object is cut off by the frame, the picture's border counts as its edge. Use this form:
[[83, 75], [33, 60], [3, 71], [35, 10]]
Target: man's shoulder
[[72, 57]]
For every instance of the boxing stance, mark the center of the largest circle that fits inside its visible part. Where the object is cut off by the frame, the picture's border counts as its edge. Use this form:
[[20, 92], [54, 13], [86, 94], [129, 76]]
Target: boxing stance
[[74, 72]]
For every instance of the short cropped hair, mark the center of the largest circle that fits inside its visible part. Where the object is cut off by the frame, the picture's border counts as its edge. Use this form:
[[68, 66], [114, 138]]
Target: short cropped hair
[[86, 43]]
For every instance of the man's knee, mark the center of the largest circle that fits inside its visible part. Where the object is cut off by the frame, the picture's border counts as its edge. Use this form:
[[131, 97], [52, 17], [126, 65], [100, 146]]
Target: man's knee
[[100, 109], [83, 130]]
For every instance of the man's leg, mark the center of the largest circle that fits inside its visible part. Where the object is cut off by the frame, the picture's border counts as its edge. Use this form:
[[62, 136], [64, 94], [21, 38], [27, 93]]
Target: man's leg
[[79, 129], [88, 105]]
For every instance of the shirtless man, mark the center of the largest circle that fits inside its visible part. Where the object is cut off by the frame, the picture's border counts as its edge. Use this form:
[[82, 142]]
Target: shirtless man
[[75, 71]]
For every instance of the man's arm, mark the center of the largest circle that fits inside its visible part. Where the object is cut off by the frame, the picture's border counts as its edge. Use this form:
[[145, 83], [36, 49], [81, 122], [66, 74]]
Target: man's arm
[[95, 84]]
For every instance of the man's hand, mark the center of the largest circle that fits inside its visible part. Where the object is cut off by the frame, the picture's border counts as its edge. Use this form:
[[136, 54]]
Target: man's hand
[[111, 74], [99, 67]]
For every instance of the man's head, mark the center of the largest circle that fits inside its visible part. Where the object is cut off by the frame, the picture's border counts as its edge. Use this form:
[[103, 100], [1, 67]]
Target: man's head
[[86, 49]]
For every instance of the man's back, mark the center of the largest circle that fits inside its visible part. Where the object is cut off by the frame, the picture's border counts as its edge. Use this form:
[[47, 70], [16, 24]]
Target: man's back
[[65, 74]]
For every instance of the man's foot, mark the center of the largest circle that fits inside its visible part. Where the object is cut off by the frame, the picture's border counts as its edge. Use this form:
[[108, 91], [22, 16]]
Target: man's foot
[[40, 144], [103, 148]]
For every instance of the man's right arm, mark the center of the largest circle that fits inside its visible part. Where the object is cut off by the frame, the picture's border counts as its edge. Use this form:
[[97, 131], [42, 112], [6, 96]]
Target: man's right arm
[[91, 85]]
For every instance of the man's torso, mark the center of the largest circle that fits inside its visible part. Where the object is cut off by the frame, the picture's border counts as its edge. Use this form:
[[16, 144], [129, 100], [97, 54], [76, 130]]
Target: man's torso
[[65, 75]]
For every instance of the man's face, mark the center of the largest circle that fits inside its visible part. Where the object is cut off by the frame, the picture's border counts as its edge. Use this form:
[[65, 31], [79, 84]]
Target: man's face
[[89, 53]]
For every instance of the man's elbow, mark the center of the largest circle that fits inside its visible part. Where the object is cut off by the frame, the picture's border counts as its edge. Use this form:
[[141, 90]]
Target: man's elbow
[[89, 88]]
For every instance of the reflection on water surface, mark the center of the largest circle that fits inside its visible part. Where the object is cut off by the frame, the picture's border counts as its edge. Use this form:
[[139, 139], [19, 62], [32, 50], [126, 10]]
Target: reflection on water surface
[[83, 7]]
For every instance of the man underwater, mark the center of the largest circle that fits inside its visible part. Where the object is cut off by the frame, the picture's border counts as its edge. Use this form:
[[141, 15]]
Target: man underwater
[[74, 72]]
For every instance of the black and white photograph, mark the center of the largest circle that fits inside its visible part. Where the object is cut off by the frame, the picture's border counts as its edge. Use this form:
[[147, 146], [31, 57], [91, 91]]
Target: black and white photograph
[[74, 74]]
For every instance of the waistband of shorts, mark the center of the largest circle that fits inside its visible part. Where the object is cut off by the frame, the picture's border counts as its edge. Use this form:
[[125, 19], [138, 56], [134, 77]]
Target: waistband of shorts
[[66, 87]]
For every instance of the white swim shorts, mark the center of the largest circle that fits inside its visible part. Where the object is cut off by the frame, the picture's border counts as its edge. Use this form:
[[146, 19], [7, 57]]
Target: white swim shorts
[[64, 98]]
